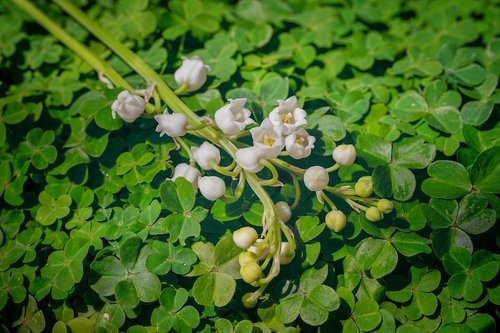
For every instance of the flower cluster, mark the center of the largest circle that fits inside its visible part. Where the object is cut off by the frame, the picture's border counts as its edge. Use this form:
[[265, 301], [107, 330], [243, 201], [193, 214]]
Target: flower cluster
[[282, 133]]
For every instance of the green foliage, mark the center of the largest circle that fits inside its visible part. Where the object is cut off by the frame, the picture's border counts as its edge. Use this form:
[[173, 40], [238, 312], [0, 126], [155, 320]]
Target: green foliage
[[96, 237]]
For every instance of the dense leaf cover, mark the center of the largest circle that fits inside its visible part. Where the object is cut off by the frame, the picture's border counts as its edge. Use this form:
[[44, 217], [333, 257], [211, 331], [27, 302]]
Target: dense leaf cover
[[93, 238]]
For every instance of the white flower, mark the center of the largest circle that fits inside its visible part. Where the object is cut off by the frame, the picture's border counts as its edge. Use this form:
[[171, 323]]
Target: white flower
[[344, 154], [128, 107], [286, 255], [204, 154], [192, 72], [212, 187], [249, 159], [316, 178], [284, 211], [299, 144], [288, 115], [190, 173], [233, 117], [245, 237], [268, 139], [173, 125]]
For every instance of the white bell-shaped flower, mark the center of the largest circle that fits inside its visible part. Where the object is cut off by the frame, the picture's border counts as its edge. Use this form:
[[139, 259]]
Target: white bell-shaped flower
[[245, 237], [128, 107], [212, 187], [284, 211], [173, 124], [316, 178], [268, 139], [299, 144], [286, 255], [288, 115], [249, 159], [204, 154], [344, 154], [193, 72], [190, 173], [233, 117]]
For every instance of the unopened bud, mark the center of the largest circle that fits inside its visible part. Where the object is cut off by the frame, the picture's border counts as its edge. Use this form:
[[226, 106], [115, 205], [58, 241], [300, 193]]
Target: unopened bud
[[250, 272], [286, 255], [364, 187], [373, 214], [245, 257], [249, 301], [245, 237], [336, 220], [344, 154], [284, 211], [385, 206], [260, 251], [316, 178]]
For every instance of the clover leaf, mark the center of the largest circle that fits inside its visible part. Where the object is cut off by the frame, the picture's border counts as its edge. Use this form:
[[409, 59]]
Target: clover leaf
[[172, 314]]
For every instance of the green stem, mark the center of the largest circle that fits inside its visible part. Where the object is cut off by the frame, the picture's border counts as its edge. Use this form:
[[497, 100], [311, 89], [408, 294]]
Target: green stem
[[296, 187], [238, 191], [335, 167], [182, 89], [185, 146], [79, 49], [288, 167], [328, 200], [223, 171], [274, 179]]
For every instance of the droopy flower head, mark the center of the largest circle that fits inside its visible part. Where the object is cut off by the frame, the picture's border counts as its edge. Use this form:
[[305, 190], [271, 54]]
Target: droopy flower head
[[288, 115], [268, 139], [192, 72], [128, 107], [173, 125], [233, 117]]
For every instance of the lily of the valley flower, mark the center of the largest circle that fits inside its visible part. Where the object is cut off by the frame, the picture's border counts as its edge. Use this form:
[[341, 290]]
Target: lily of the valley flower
[[268, 139], [344, 154], [336, 220], [173, 124], [128, 107], [212, 187], [205, 154], [316, 178], [299, 144], [286, 255], [190, 173], [193, 73], [233, 117], [249, 159], [284, 211], [288, 115]]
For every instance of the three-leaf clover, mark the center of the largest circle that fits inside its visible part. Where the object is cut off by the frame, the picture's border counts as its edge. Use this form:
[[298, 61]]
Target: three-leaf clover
[[172, 314]]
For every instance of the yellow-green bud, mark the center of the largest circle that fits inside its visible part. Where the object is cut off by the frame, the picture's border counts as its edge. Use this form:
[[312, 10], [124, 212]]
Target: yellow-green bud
[[373, 214], [284, 211], [364, 187], [336, 220], [250, 272], [286, 256], [245, 257], [245, 237], [247, 303], [385, 206]]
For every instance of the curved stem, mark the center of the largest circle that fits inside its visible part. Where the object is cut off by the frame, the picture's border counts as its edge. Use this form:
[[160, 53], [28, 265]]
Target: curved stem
[[79, 49], [238, 191], [288, 167], [296, 187], [328, 200], [185, 146], [334, 167], [274, 179], [182, 89], [223, 171]]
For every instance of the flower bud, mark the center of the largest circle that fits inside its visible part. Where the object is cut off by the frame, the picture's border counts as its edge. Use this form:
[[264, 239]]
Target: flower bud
[[284, 211], [249, 159], [245, 237], [286, 256], [385, 206], [336, 220], [316, 178], [364, 186], [204, 154], [245, 257], [373, 214], [212, 187], [192, 72], [249, 301], [190, 173], [128, 107], [250, 272], [344, 154], [173, 125], [259, 251]]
